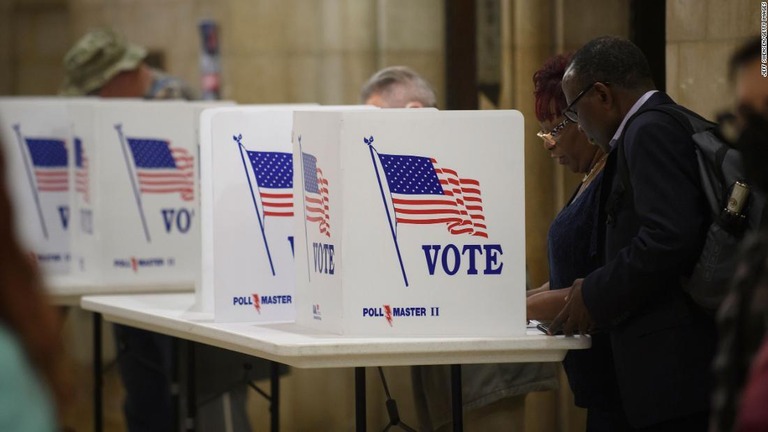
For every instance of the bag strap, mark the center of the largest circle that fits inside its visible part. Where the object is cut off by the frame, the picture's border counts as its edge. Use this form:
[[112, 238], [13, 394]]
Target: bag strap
[[696, 125], [691, 122]]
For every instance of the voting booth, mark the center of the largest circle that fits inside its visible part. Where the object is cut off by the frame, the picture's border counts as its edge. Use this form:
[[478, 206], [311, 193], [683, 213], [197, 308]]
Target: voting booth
[[36, 140], [247, 206], [136, 202], [410, 222], [249, 254]]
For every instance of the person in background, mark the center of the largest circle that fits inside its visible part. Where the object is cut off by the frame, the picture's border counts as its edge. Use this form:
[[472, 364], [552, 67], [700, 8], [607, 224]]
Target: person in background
[[103, 64], [741, 366], [651, 232], [572, 246], [34, 377], [398, 87], [493, 394]]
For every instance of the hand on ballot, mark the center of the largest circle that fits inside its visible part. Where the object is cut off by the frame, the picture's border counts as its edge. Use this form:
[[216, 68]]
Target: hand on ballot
[[574, 317], [545, 305]]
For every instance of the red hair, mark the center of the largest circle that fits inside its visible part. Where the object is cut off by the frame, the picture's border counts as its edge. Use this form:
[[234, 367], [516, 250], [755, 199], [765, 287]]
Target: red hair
[[547, 87]]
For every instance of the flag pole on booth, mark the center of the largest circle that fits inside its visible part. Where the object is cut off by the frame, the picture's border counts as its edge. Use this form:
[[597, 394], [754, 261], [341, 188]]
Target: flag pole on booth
[[240, 148], [137, 195], [31, 179], [369, 142], [304, 204]]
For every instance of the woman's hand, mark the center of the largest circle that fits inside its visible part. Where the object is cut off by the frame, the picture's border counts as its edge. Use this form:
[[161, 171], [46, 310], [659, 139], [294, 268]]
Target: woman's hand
[[545, 305]]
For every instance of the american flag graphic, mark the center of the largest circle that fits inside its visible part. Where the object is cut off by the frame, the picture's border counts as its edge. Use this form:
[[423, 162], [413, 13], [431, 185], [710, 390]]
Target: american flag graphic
[[425, 193], [274, 178], [162, 168], [49, 159], [81, 170], [316, 198]]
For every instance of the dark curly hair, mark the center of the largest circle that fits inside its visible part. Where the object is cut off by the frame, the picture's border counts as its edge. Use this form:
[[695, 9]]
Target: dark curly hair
[[610, 59], [546, 87]]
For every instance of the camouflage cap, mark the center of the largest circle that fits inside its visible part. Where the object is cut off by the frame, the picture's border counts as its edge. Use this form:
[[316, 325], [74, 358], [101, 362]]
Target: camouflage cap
[[97, 57]]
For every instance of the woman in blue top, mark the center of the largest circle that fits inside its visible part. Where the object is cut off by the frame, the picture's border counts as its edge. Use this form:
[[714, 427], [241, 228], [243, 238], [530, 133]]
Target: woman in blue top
[[33, 379], [572, 248]]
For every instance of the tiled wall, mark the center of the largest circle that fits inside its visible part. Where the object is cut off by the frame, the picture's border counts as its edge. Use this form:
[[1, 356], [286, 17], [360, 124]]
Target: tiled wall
[[272, 51], [701, 35], [5, 48], [33, 40]]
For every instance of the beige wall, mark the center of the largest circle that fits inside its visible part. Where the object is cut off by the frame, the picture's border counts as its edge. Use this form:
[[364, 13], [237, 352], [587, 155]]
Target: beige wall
[[6, 34], [272, 51], [701, 35], [34, 34]]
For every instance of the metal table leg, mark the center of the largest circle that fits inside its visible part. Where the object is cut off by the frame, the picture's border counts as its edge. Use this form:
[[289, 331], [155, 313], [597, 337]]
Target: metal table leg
[[456, 403], [274, 405], [98, 385], [190, 387], [360, 419]]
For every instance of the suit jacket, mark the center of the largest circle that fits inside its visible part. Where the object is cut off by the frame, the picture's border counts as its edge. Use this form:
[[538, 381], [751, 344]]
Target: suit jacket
[[652, 234]]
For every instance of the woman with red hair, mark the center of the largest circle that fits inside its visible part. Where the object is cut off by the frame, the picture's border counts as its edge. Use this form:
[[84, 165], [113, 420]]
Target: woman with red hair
[[33, 379], [572, 248]]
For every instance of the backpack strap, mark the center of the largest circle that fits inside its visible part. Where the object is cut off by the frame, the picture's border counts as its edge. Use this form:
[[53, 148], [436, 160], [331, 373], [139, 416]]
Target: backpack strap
[[696, 124], [691, 122]]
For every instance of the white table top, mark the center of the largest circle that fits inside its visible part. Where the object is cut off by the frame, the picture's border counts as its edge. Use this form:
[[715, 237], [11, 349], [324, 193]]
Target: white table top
[[175, 315], [65, 290]]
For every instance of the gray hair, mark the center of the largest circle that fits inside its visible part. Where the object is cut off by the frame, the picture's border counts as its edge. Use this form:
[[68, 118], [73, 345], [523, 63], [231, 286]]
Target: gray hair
[[399, 85]]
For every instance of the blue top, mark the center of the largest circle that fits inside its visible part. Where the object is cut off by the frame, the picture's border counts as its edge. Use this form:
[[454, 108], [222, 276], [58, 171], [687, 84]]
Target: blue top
[[25, 403], [573, 254]]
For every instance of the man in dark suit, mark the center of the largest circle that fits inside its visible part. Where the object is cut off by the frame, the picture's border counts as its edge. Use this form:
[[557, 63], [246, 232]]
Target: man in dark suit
[[652, 233]]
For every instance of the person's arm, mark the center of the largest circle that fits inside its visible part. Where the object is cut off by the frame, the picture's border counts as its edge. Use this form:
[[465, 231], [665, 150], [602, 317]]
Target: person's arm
[[545, 305], [538, 290]]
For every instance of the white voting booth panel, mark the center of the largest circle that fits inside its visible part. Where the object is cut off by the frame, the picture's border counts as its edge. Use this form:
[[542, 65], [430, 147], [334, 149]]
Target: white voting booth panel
[[252, 215], [136, 208], [247, 205], [36, 138], [222, 134], [410, 222]]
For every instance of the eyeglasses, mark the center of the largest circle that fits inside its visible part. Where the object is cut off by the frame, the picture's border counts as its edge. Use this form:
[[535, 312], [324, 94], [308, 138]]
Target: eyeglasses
[[550, 138], [569, 112]]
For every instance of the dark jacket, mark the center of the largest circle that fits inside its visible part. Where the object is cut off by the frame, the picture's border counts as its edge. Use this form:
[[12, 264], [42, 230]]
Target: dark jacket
[[653, 232]]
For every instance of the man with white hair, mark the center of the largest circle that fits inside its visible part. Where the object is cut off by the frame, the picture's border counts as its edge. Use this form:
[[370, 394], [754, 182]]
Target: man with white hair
[[398, 87]]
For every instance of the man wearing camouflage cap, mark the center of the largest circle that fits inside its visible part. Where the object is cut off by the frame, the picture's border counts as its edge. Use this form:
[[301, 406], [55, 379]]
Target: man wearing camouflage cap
[[103, 64]]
